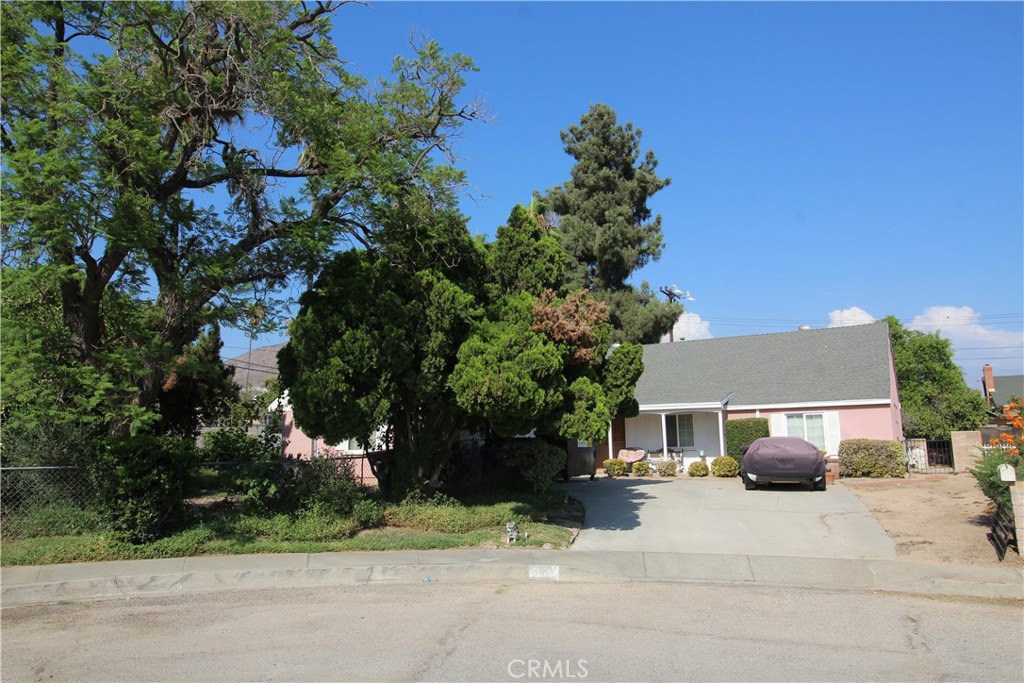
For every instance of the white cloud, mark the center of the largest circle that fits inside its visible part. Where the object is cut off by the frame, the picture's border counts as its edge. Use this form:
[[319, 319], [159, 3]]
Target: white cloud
[[690, 326], [849, 316], [973, 342]]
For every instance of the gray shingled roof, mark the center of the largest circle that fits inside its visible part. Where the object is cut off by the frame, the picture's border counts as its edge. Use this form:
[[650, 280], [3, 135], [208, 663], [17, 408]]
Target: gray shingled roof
[[834, 364], [1007, 386]]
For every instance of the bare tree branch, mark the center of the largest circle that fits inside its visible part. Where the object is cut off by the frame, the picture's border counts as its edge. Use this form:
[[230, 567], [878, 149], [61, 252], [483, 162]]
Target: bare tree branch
[[322, 8]]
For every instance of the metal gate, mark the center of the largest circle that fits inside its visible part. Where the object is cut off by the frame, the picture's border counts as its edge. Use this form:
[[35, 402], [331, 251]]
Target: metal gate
[[929, 456]]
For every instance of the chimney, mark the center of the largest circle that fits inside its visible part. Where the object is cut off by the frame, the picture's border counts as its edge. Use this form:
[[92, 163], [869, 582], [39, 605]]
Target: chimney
[[988, 381]]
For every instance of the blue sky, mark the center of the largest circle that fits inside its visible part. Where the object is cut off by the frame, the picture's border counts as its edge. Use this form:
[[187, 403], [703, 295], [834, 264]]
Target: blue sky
[[830, 162]]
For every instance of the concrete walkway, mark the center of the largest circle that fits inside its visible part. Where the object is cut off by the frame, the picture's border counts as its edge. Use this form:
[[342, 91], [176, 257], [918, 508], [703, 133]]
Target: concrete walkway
[[718, 516], [139, 578]]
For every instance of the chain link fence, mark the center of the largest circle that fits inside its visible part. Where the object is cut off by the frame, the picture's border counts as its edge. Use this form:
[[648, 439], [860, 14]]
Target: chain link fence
[[45, 500], [41, 499]]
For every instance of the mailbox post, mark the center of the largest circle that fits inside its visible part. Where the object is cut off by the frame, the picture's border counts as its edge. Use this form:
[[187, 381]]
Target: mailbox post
[[1008, 474]]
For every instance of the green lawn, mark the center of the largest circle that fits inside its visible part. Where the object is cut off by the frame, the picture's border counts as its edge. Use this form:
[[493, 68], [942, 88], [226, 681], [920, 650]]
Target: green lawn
[[55, 535]]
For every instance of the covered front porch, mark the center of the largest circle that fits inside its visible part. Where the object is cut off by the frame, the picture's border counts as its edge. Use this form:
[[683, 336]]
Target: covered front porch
[[684, 432]]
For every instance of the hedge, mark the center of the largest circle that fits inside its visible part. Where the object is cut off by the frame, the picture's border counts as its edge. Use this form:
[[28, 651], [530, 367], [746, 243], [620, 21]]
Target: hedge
[[871, 458], [743, 432]]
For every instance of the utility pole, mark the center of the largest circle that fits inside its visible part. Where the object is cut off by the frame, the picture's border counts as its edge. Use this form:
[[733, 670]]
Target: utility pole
[[674, 294]]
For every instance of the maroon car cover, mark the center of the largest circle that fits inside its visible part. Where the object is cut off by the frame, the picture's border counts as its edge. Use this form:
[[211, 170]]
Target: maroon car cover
[[775, 455]]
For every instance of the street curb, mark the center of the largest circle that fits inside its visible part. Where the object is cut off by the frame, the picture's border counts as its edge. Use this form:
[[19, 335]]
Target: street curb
[[142, 578]]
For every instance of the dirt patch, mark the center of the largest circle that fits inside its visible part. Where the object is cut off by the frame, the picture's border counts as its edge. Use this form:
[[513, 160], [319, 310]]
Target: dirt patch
[[934, 518]]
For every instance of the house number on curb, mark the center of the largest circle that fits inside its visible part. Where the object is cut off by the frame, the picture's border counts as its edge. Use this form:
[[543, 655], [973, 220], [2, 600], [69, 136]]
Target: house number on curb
[[544, 571]]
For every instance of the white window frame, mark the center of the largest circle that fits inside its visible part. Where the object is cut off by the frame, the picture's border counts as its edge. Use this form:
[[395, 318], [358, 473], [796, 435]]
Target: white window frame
[[672, 421], [803, 421]]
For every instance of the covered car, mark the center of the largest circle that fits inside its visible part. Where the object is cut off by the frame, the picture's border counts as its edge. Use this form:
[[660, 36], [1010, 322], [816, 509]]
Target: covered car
[[782, 460]]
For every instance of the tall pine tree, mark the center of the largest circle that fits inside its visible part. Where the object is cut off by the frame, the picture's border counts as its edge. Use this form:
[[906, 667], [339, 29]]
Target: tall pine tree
[[606, 226]]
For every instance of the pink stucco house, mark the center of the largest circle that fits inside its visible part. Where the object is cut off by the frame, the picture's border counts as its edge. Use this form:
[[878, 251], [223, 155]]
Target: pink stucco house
[[298, 444], [824, 385]]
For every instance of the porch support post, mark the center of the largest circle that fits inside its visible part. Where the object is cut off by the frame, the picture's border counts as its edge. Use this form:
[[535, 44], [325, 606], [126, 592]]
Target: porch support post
[[664, 437], [611, 449], [721, 432]]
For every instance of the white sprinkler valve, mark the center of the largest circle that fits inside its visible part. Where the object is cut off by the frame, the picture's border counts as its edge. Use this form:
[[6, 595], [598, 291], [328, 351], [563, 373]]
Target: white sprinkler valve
[[1007, 473]]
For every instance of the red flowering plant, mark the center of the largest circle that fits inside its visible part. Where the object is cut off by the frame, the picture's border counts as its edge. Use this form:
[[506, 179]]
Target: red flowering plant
[[1012, 442], [1008, 448]]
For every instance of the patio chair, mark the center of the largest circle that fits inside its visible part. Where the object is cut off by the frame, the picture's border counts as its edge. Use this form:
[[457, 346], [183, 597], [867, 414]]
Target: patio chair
[[632, 455]]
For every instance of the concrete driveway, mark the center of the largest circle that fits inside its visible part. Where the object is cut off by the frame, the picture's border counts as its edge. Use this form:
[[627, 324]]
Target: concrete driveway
[[719, 516]]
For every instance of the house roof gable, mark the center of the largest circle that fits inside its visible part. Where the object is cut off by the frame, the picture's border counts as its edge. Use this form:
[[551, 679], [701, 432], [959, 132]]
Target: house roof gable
[[1005, 387], [841, 364]]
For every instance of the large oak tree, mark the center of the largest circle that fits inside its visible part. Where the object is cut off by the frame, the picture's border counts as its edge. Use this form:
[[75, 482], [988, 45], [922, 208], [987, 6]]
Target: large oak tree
[[163, 160]]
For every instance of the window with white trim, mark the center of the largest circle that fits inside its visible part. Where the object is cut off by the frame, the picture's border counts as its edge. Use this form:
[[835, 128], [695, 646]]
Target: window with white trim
[[807, 426], [679, 430]]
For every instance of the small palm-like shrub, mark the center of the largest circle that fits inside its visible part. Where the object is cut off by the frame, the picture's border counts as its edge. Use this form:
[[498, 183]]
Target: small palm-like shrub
[[724, 466], [614, 467], [642, 469], [667, 469], [698, 469]]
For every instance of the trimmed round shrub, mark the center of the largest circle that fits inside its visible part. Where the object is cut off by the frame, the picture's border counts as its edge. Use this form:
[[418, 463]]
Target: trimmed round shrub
[[724, 466], [698, 469], [667, 469], [642, 469], [614, 467], [538, 462], [871, 458]]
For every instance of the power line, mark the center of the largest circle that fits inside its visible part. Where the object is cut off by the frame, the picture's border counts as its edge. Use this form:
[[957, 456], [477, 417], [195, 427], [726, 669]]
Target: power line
[[988, 348], [252, 366], [985, 321]]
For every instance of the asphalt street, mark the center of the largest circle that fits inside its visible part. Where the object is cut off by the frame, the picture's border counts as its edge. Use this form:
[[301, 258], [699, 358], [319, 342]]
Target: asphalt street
[[517, 631], [712, 584]]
